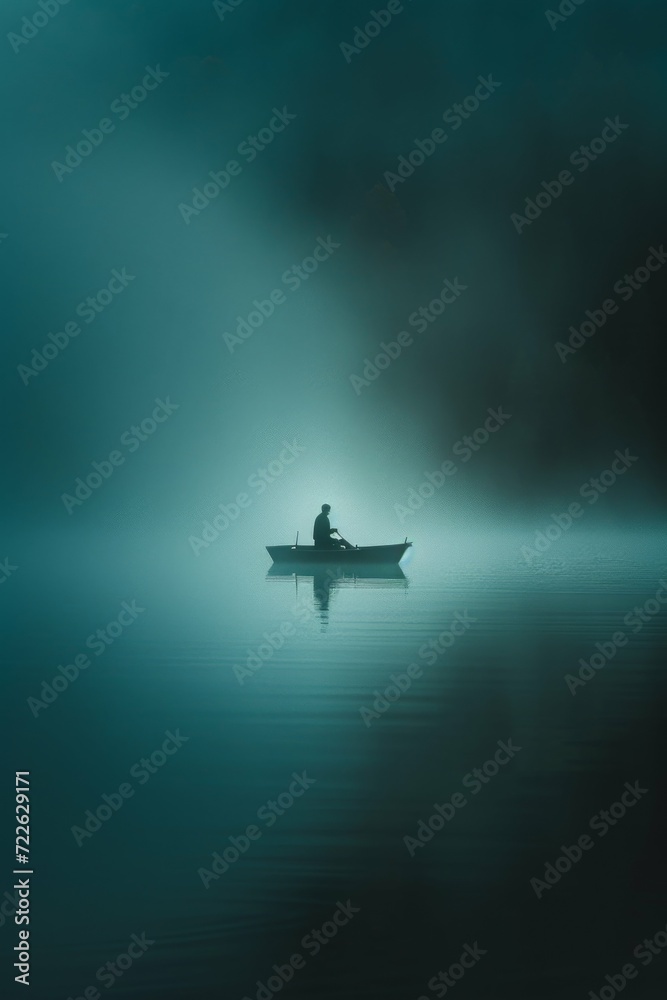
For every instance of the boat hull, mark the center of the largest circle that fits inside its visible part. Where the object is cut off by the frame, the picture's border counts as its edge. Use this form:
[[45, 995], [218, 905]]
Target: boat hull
[[308, 555]]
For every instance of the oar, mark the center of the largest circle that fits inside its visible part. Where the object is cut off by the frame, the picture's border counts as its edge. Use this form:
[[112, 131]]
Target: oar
[[345, 540]]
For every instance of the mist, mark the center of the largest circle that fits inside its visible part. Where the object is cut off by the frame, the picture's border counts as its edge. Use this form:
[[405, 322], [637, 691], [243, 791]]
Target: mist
[[331, 175]]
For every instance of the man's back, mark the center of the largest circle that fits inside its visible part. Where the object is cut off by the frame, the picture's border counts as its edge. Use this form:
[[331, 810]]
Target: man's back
[[322, 529]]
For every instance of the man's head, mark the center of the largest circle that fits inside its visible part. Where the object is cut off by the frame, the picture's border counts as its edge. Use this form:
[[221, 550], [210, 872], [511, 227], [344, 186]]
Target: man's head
[[326, 507]]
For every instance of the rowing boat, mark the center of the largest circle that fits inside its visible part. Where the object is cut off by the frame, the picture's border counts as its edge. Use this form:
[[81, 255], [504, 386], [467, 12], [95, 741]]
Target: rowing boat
[[308, 555]]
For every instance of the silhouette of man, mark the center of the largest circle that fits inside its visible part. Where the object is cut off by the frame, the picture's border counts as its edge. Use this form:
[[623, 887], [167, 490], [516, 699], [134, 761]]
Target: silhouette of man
[[322, 532]]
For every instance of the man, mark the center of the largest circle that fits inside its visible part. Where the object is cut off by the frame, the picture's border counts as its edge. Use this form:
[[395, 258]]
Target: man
[[322, 532]]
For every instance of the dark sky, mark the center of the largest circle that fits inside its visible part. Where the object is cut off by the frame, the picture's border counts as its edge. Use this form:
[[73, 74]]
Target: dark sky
[[326, 175]]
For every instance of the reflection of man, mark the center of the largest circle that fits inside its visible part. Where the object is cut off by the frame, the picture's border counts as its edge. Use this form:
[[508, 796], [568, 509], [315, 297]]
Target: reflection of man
[[322, 585], [322, 532]]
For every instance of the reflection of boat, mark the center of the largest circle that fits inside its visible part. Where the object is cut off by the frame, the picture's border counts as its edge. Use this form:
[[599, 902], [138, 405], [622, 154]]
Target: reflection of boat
[[308, 555], [337, 573], [327, 579]]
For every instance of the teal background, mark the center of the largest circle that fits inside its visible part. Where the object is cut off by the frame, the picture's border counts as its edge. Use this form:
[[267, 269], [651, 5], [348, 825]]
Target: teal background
[[485, 539]]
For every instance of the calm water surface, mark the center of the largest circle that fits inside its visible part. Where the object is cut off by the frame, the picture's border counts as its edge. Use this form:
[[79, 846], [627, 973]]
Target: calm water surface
[[182, 666]]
